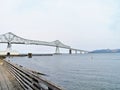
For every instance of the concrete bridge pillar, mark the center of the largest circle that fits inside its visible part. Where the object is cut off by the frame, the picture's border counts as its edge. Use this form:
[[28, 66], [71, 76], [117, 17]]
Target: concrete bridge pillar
[[9, 47], [70, 51], [57, 50]]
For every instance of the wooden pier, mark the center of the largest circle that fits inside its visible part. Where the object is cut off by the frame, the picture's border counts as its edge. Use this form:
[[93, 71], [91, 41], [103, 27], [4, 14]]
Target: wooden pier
[[7, 82], [15, 77]]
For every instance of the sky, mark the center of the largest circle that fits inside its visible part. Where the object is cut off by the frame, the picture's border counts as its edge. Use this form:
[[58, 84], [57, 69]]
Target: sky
[[81, 24]]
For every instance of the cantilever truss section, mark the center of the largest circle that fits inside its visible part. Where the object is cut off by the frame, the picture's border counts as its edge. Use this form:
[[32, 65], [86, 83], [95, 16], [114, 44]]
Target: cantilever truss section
[[14, 39]]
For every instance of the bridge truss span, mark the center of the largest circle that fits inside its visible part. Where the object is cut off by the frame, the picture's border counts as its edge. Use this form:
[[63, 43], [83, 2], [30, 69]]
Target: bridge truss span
[[14, 39], [11, 38]]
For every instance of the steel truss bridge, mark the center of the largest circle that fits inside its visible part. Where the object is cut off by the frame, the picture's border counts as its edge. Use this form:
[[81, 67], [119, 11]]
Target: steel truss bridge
[[10, 38]]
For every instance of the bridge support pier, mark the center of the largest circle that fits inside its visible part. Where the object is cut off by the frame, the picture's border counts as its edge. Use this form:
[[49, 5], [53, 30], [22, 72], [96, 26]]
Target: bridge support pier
[[8, 48], [57, 51], [70, 51]]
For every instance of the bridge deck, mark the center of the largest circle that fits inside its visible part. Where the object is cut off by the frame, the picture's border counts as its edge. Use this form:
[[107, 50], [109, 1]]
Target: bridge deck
[[7, 82]]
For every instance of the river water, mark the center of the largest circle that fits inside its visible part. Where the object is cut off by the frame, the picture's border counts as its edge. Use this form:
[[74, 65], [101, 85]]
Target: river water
[[77, 72]]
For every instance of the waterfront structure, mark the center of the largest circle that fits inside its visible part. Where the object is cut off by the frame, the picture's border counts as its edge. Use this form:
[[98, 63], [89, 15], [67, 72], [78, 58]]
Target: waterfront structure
[[11, 38], [16, 77]]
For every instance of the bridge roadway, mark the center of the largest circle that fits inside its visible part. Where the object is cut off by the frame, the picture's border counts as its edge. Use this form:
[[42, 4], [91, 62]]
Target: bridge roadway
[[11, 38], [7, 82]]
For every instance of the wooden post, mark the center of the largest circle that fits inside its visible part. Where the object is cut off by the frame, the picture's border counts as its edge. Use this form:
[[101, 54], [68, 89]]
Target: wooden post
[[29, 55], [49, 88], [8, 53]]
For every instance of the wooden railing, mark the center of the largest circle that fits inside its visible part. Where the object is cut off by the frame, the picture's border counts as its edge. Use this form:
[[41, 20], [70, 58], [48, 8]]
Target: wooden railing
[[29, 80]]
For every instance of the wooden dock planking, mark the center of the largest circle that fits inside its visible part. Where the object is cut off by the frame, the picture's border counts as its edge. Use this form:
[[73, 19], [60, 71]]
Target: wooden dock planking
[[7, 81], [14, 77]]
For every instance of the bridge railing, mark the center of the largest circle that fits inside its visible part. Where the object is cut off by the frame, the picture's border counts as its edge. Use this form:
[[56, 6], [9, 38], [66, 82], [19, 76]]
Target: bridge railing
[[29, 80]]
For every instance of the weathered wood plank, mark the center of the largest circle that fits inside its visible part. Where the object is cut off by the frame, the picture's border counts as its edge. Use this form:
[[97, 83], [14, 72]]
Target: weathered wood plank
[[7, 81], [27, 79], [3, 79]]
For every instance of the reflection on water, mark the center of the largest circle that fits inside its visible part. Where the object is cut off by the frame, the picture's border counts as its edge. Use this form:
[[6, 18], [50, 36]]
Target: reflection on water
[[78, 72]]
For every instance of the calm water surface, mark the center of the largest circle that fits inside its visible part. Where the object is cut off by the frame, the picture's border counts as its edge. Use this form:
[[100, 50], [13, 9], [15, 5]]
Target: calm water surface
[[77, 72]]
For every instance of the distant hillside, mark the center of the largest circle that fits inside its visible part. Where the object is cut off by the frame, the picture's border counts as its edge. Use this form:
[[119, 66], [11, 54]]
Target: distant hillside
[[106, 51]]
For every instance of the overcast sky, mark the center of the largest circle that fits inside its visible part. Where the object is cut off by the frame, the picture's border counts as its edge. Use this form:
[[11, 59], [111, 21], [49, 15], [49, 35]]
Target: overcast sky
[[83, 24]]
